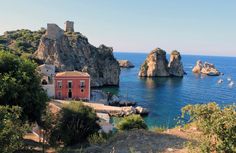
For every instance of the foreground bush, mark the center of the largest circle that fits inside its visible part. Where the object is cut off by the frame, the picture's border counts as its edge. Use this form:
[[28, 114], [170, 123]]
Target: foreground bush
[[98, 138], [217, 124], [75, 123], [131, 122], [11, 129]]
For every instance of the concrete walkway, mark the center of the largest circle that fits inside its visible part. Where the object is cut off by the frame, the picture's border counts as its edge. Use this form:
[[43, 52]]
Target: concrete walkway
[[99, 108]]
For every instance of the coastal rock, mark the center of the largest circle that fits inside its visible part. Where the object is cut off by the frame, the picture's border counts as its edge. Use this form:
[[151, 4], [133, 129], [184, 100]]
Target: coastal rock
[[155, 64], [142, 111], [209, 69], [206, 68], [125, 64], [198, 67], [128, 110], [72, 51], [175, 65]]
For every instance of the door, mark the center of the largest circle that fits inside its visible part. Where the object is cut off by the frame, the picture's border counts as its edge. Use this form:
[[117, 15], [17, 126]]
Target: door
[[70, 94]]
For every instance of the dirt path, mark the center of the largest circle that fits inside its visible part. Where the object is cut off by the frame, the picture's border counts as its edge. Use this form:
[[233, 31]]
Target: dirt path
[[142, 141]]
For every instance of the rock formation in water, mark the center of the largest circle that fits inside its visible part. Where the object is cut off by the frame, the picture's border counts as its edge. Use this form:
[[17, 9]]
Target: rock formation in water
[[206, 68], [198, 67], [69, 50], [125, 64], [175, 65], [157, 65]]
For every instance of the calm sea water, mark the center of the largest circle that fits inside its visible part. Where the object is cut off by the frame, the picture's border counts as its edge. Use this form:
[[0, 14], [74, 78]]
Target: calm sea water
[[165, 97]]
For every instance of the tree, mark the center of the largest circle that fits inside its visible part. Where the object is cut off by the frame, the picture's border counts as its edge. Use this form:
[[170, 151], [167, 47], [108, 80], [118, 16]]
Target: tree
[[11, 129], [131, 122], [20, 86], [76, 122], [217, 124]]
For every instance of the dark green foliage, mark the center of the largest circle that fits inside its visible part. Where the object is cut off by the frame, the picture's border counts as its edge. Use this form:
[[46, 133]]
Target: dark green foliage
[[21, 41], [47, 123], [75, 123], [11, 129], [131, 122], [217, 124], [20, 86], [99, 138]]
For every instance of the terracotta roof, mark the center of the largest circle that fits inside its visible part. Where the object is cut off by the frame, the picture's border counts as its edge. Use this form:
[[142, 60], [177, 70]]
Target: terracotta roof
[[72, 73]]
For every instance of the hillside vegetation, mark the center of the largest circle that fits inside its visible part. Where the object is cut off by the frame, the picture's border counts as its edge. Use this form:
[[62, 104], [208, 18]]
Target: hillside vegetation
[[21, 42]]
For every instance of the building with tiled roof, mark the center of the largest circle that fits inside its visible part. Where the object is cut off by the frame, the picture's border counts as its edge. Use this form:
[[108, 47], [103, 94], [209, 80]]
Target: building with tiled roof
[[72, 85]]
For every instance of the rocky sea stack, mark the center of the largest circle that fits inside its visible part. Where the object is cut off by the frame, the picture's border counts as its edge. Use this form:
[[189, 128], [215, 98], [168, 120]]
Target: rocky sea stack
[[125, 64], [175, 65], [69, 50], [206, 68], [156, 65]]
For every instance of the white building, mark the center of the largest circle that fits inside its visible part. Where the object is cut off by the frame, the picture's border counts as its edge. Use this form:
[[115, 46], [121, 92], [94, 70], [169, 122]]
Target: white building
[[47, 73]]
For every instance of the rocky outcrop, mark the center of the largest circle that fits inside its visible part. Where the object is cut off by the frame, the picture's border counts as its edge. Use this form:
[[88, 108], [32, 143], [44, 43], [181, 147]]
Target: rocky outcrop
[[141, 110], [156, 65], [175, 65], [72, 51], [206, 68], [125, 64], [198, 67]]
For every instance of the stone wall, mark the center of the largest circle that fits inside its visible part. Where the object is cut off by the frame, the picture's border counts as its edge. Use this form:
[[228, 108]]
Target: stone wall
[[50, 89], [53, 31]]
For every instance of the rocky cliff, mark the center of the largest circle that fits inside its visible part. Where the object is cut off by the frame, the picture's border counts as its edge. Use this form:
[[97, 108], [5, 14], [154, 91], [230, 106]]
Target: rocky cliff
[[71, 51], [157, 65]]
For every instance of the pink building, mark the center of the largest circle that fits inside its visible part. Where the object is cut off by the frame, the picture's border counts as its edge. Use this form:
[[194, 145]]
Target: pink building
[[72, 85]]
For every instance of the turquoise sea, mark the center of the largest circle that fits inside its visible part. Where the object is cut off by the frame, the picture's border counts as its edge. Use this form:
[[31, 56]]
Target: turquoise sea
[[165, 97]]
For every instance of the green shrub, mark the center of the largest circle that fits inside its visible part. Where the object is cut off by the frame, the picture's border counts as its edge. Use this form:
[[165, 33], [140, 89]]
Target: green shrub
[[12, 129], [217, 124], [20, 86], [97, 138], [131, 122], [75, 123]]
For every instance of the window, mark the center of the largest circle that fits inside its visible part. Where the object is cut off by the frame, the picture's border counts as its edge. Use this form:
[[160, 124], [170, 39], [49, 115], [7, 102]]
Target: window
[[82, 90], [59, 84], [69, 84], [82, 84]]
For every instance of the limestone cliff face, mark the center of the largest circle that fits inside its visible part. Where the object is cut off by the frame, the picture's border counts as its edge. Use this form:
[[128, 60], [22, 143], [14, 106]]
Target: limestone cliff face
[[175, 65], [156, 65], [72, 51]]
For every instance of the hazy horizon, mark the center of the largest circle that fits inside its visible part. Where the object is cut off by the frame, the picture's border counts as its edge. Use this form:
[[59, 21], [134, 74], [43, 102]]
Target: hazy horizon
[[194, 28]]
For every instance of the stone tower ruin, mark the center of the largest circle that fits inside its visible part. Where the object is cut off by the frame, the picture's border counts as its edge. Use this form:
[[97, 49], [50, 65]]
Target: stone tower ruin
[[69, 26]]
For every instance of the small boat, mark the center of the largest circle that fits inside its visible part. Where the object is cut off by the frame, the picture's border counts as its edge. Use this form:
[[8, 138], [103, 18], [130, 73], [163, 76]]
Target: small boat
[[229, 79], [231, 83], [220, 81]]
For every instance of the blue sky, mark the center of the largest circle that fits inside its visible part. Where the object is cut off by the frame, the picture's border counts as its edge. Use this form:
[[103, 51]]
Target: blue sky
[[205, 27]]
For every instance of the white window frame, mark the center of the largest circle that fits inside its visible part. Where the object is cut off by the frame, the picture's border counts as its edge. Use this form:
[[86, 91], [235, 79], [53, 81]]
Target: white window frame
[[82, 84], [59, 84], [71, 84]]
